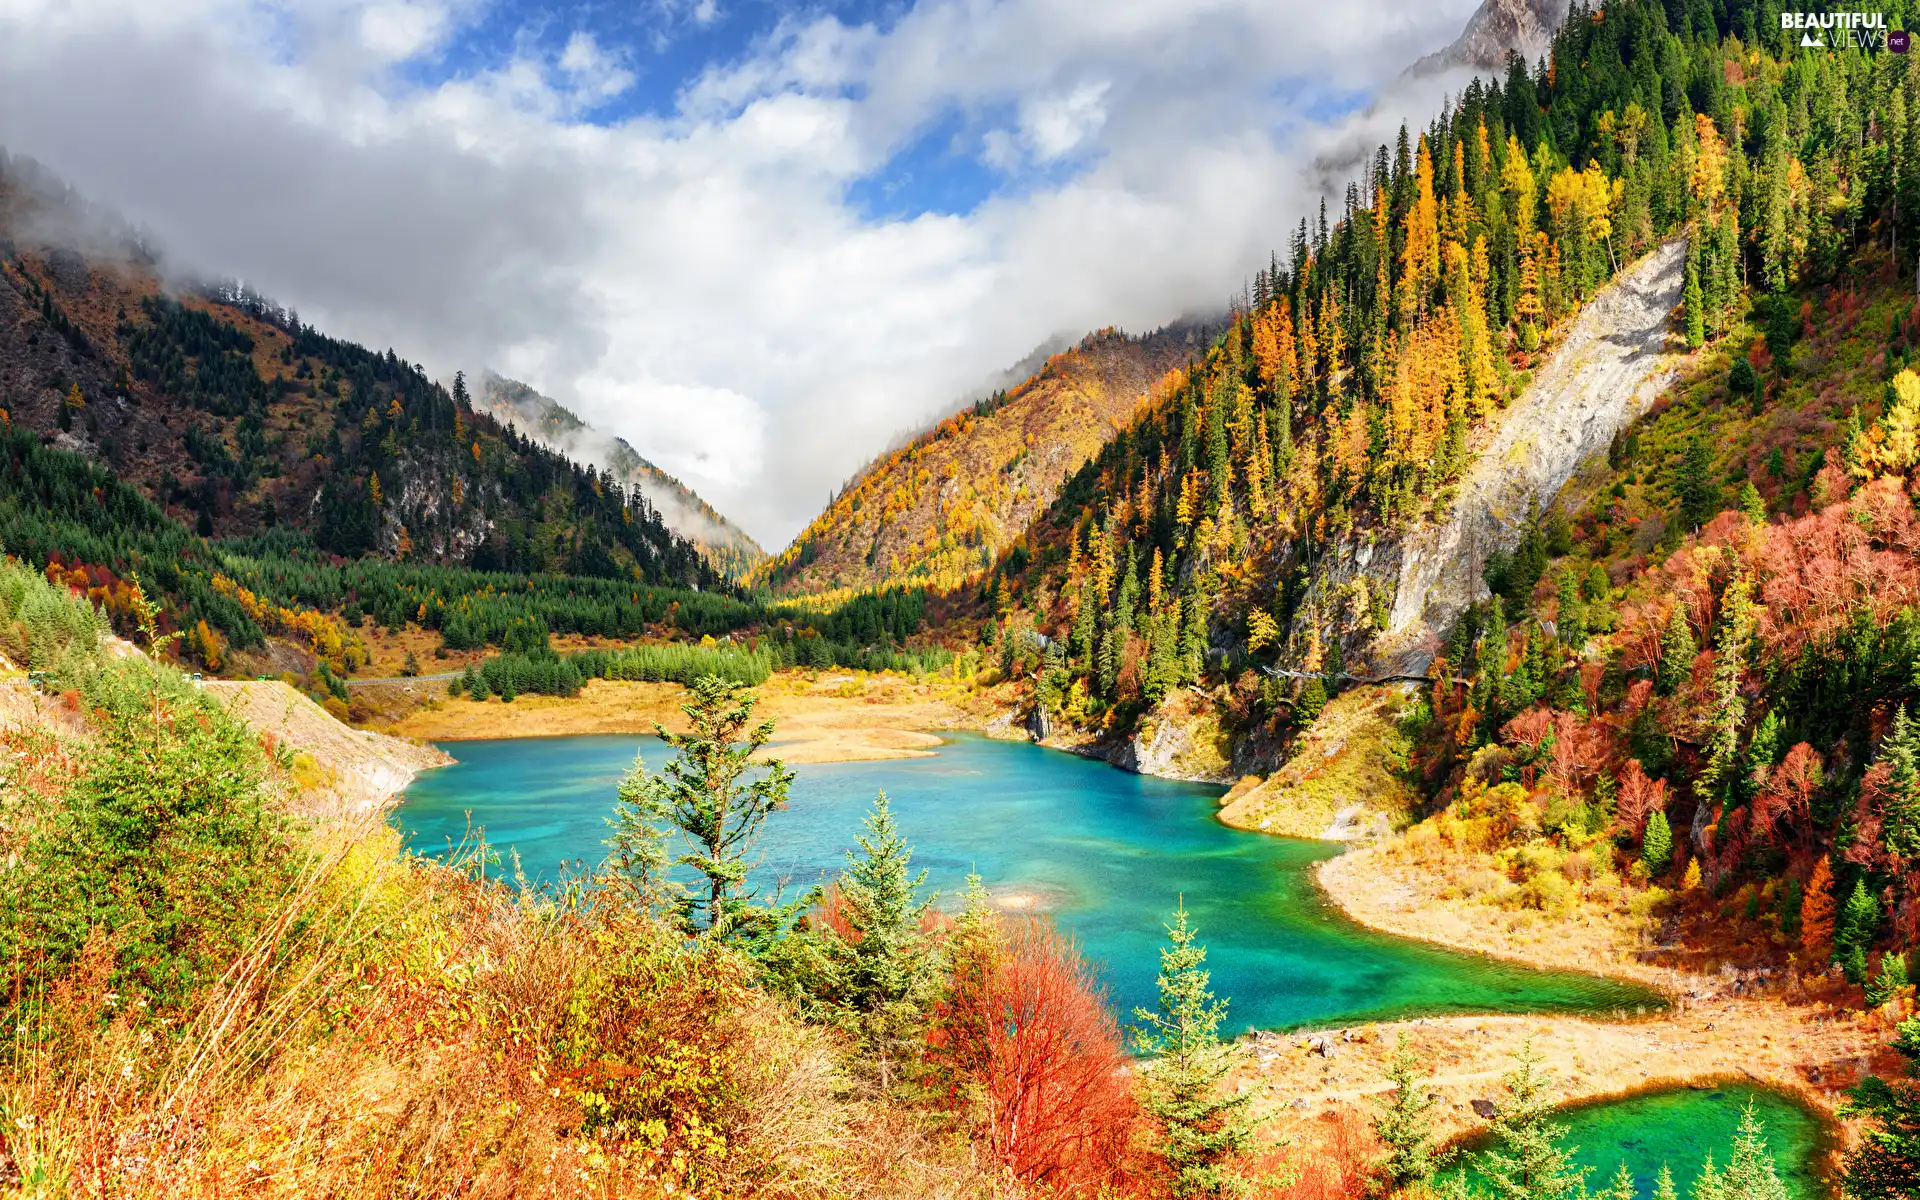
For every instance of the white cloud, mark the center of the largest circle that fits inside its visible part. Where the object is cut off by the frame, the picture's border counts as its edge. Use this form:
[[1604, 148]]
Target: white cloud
[[1056, 125], [699, 281], [596, 74], [396, 30]]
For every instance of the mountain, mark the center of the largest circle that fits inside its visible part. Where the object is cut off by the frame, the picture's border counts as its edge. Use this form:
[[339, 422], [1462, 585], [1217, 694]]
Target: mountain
[[1497, 28], [237, 418], [945, 505], [726, 545]]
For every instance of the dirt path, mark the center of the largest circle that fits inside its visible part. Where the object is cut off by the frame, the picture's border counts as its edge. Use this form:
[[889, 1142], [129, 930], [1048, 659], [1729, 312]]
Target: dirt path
[[1615, 360]]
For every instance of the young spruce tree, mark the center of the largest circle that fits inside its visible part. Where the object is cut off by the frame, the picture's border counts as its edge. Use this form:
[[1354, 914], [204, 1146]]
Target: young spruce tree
[[707, 792], [1403, 1126], [1528, 1162], [1205, 1134], [884, 965]]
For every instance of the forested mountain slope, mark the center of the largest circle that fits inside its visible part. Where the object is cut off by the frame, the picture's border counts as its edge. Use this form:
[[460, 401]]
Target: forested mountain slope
[[1348, 405], [237, 418], [1618, 356], [947, 504], [547, 421]]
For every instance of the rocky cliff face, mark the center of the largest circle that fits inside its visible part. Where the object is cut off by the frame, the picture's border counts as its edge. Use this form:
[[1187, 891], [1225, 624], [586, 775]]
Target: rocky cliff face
[[1523, 26], [1618, 356]]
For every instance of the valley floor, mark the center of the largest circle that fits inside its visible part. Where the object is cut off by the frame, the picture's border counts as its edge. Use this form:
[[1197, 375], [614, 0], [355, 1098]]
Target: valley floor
[[820, 717]]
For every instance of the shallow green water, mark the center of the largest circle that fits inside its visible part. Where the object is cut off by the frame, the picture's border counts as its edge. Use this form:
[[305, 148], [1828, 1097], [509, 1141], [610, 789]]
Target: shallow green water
[[1110, 852], [1680, 1128]]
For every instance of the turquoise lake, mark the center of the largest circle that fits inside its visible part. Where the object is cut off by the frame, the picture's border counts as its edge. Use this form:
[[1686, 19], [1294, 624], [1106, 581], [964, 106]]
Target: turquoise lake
[[1108, 852], [1678, 1129]]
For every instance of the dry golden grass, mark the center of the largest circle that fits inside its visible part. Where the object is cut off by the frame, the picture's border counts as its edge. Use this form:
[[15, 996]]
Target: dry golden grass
[[393, 1033], [821, 716]]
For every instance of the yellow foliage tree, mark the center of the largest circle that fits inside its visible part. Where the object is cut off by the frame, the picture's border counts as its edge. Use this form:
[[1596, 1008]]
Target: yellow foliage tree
[[1892, 446], [1708, 181], [1516, 179]]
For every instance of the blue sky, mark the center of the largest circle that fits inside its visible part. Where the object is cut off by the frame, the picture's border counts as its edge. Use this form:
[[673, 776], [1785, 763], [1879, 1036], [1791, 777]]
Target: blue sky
[[760, 241]]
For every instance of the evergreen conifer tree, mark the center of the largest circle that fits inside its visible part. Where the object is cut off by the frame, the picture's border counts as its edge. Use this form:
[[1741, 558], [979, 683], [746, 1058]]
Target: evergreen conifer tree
[[1528, 1161], [707, 793], [1729, 706], [1888, 980], [1204, 1133], [1656, 844], [638, 853], [1403, 1125], [1886, 1164], [1692, 300], [1750, 1173], [1859, 923], [1677, 652], [885, 962]]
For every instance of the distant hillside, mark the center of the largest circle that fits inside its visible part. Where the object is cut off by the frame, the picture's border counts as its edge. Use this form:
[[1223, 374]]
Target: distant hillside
[[726, 545], [946, 504], [237, 418]]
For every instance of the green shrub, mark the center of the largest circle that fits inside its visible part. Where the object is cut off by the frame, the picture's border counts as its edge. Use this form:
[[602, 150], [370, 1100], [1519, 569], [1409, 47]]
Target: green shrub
[[165, 845]]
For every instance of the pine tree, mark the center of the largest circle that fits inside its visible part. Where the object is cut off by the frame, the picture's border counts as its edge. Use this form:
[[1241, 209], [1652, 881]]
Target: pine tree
[[1656, 844], [1528, 1162], [1690, 881], [1886, 1164], [1204, 1134], [705, 791], [1403, 1125], [1859, 924], [1677, 652]]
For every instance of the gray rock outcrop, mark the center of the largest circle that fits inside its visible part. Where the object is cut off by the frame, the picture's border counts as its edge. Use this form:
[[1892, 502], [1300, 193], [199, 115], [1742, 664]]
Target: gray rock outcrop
[[1618, 356]]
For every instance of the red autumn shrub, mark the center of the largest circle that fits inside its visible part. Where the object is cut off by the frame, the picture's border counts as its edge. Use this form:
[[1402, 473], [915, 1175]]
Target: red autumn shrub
[[1026, 1024]]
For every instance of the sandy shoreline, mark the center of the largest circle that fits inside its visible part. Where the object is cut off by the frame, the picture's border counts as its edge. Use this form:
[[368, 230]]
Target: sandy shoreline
[[1721, 1027]]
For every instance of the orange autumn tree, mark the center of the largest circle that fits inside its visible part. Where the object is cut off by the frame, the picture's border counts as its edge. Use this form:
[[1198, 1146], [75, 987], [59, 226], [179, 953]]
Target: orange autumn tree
[[1816, 914]]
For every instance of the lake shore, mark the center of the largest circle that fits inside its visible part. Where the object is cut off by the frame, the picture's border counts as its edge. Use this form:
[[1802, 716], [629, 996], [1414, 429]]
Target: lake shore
[[819, 717], [1781, 1033]]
